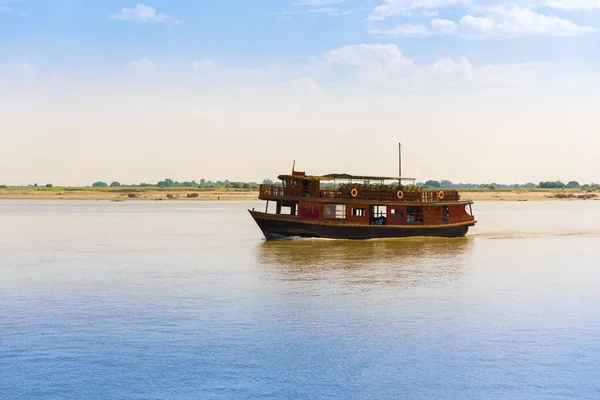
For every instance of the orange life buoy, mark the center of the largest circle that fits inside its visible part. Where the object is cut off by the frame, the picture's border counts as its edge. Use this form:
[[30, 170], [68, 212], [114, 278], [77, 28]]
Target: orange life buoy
[[400, 194], [441, 195], [354, 192]]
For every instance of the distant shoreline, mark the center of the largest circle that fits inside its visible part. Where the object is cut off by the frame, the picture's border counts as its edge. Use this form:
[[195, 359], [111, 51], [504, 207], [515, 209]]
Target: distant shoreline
[[176, 194], [187, 194]]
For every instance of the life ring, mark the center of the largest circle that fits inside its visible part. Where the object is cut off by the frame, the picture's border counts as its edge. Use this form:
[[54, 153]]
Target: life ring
[[441, 195], [354, 192], [400, 194]]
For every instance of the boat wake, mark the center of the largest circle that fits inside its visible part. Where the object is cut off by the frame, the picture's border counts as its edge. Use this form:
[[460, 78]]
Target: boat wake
[[534, 234]]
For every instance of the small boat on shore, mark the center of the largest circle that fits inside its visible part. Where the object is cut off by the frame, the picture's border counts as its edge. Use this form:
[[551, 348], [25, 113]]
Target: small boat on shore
[[343, 206]]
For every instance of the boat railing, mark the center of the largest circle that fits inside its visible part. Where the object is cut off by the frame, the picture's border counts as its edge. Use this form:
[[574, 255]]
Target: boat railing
[[373, 193], [281, 191], [271, 190]]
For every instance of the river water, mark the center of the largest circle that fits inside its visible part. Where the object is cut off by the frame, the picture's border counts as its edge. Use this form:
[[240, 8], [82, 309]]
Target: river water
[[185, 300]]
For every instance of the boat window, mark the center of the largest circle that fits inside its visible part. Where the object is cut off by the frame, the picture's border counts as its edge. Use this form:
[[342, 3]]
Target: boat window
[[379, 211], [414, 214], [291, 188], [397, 212], [358, 212], [334, 211]]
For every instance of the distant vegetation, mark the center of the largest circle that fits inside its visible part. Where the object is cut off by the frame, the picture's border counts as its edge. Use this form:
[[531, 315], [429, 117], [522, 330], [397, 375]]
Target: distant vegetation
[[445, 184], [430, 184], [202, 184]]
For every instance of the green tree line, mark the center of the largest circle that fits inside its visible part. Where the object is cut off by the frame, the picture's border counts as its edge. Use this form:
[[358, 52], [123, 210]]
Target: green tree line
[[201, 184], [446, 184]]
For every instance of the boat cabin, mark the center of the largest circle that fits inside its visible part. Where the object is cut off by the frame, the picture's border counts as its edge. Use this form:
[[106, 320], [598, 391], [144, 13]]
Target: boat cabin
[[363, 200]]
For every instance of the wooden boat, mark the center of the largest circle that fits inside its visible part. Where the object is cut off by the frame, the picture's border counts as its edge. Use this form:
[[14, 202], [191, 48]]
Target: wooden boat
[[342, 206]]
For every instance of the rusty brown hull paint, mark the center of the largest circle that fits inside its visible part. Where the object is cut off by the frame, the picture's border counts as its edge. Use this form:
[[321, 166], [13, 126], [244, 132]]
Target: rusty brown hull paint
[[276, 227]]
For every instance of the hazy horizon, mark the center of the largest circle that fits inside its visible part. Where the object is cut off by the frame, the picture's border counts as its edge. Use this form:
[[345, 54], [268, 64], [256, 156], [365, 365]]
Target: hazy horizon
[[208, 181], [476, 91]]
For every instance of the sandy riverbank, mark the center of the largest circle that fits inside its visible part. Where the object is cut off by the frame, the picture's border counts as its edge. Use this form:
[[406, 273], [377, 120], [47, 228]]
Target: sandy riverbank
[[124, 195], [228, 195], [508, 196]]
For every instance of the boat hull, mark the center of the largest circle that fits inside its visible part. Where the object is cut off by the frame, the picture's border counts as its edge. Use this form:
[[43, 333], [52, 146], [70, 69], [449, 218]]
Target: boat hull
[[278, 228]]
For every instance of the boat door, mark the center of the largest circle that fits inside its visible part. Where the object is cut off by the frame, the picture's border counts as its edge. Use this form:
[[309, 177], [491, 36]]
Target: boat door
[[378, 215], [305, 189]]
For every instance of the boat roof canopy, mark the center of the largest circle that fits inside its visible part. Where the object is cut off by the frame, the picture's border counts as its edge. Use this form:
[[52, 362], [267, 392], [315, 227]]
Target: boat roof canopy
[[304, 178], [331, 177], [368, 178]]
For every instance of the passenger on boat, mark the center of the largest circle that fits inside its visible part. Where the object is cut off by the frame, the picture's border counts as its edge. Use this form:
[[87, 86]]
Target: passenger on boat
[[446, 214], [379, 221]]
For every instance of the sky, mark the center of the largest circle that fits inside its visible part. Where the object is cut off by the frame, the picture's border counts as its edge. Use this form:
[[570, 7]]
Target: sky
[[476, 90]]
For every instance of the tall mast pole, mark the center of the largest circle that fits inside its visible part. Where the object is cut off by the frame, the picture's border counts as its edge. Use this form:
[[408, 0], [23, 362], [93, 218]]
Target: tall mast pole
[[399, 160]]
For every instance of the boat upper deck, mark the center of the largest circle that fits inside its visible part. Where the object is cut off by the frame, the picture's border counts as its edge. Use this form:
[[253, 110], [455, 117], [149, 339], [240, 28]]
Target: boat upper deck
[[301, 186]]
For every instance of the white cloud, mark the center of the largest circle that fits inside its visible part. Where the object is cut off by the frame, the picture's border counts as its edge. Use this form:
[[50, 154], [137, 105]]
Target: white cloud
[[483, 19], [495, 22], [361, 67], [368, 67], [369, 55], [407, 30], [443, 26], [144, 14], [484, 25], [510, 22], [381, 67], [393, 8], [386, 65], [573, 5]]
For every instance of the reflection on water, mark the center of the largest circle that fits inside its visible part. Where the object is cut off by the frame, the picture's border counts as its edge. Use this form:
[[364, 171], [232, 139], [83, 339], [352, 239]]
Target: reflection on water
[[401, 262], [536, 234]]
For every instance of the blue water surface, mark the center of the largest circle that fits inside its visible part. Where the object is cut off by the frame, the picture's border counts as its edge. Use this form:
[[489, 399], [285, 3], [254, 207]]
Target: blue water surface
[[185, 300]]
